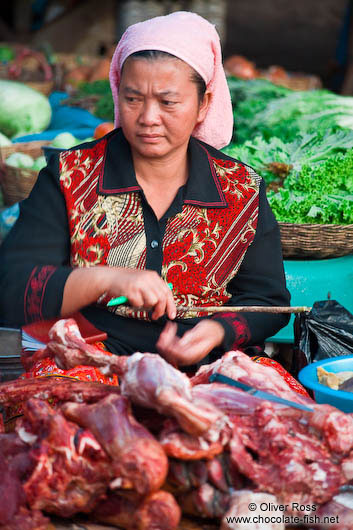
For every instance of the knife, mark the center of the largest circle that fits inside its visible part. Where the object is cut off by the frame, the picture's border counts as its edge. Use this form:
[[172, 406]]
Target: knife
[[219, 378]]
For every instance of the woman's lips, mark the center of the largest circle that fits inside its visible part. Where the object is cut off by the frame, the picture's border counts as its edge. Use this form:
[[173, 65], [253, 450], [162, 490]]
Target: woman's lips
[[150, 138]]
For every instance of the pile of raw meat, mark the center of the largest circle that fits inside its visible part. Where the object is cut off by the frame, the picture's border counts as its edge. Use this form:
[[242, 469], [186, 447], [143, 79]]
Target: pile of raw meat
[[161, 444]]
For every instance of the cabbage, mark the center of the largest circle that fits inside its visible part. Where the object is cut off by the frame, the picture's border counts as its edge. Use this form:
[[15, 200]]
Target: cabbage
[[20, 160], [64, 140], [39, 163], [23, 110], [4, 141]]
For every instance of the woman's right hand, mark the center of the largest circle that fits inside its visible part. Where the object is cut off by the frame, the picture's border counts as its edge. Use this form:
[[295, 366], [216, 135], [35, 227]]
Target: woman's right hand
[[143, 289]]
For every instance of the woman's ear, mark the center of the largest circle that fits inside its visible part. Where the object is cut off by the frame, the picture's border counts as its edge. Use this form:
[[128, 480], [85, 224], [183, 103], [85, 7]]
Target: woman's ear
[[205, 103]]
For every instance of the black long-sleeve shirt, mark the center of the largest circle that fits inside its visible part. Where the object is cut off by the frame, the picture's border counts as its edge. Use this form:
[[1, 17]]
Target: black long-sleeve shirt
[[35, 258]]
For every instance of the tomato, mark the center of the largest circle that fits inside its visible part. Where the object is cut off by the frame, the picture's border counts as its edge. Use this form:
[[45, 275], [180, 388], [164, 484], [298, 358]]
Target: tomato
[[103, 128]]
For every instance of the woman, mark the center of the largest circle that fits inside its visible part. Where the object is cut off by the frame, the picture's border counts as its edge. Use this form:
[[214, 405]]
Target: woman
[[153, 202]]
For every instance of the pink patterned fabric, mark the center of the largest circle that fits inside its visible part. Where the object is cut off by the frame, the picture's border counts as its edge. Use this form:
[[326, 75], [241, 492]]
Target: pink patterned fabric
[[194, 40]]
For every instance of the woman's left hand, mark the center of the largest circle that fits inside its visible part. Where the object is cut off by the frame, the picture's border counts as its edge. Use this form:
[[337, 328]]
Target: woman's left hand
[[193, 346]]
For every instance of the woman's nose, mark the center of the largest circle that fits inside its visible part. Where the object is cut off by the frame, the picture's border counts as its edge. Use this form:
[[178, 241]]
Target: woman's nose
[[149, 114]]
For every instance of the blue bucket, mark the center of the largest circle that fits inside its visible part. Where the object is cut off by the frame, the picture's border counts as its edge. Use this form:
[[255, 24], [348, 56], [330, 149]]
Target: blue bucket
[[323, 394]]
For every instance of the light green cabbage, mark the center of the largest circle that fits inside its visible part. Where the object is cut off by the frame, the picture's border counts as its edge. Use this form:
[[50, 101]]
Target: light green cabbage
[[64, 140], [4, 141], [23, 110], [21, 160], [39, 163]]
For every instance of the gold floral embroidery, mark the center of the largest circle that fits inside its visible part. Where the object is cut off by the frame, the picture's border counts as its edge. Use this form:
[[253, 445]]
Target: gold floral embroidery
[[225, 171], [80, 261], [198, 239], [230, 183], [186, 300]]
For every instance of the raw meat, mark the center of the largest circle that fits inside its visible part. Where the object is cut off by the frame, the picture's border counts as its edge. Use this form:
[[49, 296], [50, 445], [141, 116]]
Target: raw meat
[[58, 388], [26, 519], [239, 366], [239, 507], [281, 456], [71, 470], [70, 349], [335, 426], [228, 399], [339, 511], [179, 444], [138, 460], [216, 473], [11, 492], [184, 476], [158, 511], [15, 465], [205, 501], [151, 382], [187, 475]]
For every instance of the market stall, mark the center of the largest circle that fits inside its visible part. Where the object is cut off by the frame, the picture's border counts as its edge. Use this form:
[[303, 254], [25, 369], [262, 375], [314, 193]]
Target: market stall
[[136, 443]]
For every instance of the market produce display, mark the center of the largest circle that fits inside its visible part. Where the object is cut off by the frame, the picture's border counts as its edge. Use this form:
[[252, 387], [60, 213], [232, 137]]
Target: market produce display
[[22, 160], [161, 444], [301, 142], [95, 96], [241, 67], [23, 110]]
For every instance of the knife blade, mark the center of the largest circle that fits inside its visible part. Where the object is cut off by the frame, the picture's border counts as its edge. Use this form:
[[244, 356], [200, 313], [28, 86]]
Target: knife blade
[[220, 378]]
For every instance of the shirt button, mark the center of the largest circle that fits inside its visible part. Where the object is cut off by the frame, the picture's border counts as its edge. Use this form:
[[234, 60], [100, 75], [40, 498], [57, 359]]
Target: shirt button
[[154, 243]]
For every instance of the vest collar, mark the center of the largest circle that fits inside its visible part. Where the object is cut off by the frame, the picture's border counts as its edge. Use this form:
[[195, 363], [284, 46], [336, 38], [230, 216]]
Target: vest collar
[[118, 175]]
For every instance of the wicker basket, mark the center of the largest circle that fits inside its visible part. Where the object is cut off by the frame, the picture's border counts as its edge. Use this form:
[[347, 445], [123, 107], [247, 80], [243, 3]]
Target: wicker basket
[[45, 87], [17, 183], [315, 241]]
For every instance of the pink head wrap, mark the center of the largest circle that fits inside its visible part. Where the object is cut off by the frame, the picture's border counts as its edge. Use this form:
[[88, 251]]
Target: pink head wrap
[[194, 40]]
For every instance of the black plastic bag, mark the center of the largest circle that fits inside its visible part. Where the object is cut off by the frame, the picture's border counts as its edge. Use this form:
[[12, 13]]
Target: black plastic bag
[[325, 331]]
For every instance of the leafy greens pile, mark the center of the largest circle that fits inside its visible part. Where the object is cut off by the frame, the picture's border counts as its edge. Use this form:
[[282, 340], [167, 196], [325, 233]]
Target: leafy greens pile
[[97, 96], [301, 143], [322, 193]]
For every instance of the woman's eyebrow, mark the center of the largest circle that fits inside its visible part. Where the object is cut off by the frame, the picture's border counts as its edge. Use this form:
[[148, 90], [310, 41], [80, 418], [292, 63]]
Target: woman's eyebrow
[[168, 93], [131, 90], [164, 93]]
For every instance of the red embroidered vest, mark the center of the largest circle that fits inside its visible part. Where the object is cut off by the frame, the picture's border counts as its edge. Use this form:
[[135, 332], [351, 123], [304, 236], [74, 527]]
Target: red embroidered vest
[[202, 247]]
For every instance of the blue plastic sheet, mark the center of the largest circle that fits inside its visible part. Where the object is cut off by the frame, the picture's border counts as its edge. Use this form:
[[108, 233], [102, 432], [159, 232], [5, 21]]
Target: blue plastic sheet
[[8, 217]]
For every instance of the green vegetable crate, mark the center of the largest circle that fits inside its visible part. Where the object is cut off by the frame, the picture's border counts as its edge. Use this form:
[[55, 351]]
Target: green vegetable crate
[[17, 183]]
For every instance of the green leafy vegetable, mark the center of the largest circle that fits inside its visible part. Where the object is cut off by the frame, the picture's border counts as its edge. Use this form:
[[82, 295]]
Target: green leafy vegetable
[[104, 105], [249, 98], [7, 54], [275, 158], [64, 140], [317, 194], [39, 163], [306, 111], [22, 109], [4, 141], [20, 160]]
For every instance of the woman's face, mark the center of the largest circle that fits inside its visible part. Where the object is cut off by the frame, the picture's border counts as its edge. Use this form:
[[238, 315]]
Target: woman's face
[[158, 106]]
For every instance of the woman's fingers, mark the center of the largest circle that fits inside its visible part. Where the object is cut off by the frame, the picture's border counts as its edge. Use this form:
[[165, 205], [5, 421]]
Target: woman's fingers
[[193, 346], [167, 336], [165, 305], [170, 307], [166, 340], [143, 289]]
